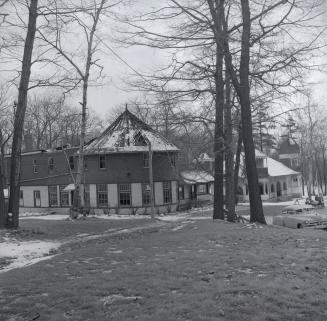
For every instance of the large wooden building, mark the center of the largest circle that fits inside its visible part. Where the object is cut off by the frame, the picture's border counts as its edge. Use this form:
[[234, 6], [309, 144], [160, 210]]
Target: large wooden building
[[116, 175]]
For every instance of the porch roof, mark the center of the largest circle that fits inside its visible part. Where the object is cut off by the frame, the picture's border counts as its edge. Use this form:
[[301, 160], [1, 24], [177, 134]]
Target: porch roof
[[196, 176]]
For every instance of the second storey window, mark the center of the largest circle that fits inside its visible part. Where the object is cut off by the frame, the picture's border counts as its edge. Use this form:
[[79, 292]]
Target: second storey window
[[145, 160], [53, 196], [166, 192], [102, 161], [71, 162], [124, 194], [102, 195], [51, 165], [35, 169]]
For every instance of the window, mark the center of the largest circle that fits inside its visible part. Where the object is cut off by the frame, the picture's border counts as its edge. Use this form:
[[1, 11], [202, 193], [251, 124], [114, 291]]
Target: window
[[145, 160], [124, 194], [203, 189], [21, 198], [172, 158], [51, 165], [261, 188], [272, 188], [146, 194], [87, 195], [53, 197], [181, 195], [166, 192], [102, 161], [266, 188], [37, 199], [284, 186], [35, 167], [64, 196], [71, 162], [102, 195]]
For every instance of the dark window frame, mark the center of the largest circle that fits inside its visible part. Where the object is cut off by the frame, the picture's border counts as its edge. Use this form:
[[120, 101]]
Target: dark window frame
[[51, 194], [35, 167], [71, 163], [181, 192], [63, 195], [124, 195], [102, 162], [146, 160], [51, 165], [102, 195], [167, 192], [146, 194]]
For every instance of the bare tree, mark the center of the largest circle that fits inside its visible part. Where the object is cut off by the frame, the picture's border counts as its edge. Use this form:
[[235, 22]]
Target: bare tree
[[86, 19], [13, 206]]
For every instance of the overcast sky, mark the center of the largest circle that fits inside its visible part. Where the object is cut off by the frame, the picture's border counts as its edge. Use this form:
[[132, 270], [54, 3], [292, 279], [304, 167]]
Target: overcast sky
[[113, 91]]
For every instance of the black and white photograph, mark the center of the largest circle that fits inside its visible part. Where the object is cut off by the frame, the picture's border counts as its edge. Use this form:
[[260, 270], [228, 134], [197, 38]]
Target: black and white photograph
[[163, 160]]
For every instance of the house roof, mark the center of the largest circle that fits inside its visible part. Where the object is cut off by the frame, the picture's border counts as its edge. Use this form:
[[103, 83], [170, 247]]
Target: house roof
[[276, 168], [196, 176], [129, 134], [288, 146], [259, 154]]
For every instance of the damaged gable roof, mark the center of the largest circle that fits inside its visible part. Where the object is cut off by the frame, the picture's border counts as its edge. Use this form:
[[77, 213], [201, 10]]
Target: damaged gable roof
[[129, 134]]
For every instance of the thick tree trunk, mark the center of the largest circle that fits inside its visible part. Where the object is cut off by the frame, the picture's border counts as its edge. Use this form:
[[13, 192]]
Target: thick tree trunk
[[256, 210], [13, 207], [229, 155], [218, 206], [238, 158]]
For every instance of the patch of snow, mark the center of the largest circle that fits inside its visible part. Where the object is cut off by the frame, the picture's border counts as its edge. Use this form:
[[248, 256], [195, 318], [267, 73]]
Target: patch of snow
[[119, 217], [50, 217], [173, 218], [25, 253], [119, 298], [269, 219]]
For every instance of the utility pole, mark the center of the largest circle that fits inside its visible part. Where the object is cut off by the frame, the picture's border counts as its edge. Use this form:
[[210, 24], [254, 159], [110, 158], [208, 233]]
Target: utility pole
[[151, 181]]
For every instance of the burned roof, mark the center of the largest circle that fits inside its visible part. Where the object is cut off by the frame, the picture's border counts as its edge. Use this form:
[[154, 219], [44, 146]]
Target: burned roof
[[129, 134]]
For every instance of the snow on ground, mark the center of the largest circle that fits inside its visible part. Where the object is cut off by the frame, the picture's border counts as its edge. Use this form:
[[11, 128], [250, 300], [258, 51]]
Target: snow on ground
[[119, 217], [21, 254], [54, 217], [269, 219]]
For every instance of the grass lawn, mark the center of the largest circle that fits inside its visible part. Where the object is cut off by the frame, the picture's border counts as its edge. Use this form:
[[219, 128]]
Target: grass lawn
[[189, 270]]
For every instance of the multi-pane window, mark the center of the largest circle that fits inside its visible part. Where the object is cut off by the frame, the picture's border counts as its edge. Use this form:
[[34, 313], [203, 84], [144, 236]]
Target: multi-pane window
[[124, 194], [64, 196], [166, 192], [87, 195], [71, 162], [51, 164], [146, 194], [145, 160], [102, 161], [181, 192], [21, 198], [35, 168], [202, 189], [102, 195], [53, 196]]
